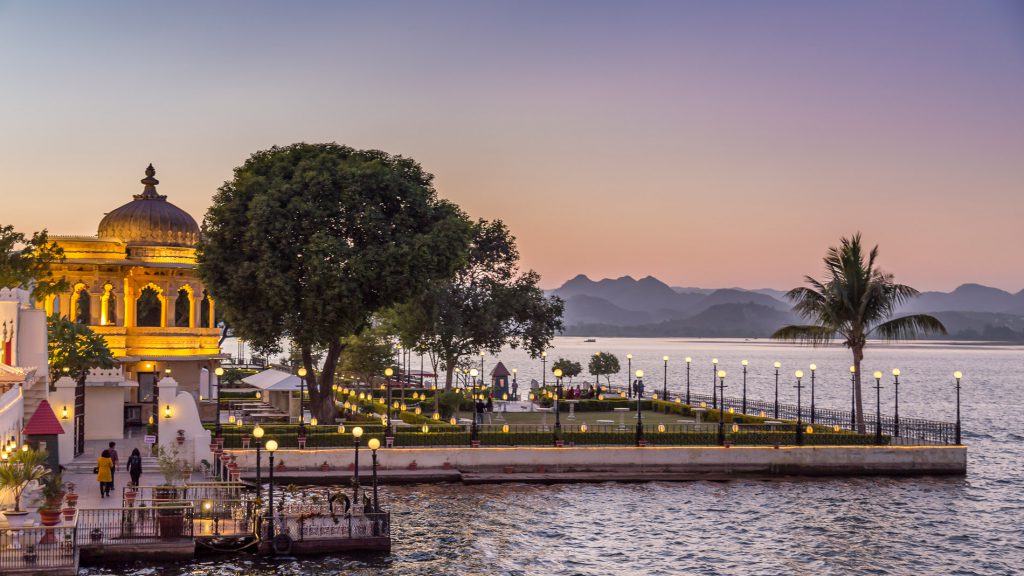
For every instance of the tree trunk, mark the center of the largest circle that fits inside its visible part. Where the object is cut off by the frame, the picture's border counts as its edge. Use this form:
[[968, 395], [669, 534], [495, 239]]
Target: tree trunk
[[321, 399], [858, 356]]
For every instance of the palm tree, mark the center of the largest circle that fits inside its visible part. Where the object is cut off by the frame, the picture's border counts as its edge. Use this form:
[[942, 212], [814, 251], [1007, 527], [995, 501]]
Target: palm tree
[[855, 302]]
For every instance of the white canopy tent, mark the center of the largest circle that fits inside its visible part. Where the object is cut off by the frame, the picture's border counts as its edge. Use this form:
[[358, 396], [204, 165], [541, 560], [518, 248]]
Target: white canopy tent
[[277, 387]]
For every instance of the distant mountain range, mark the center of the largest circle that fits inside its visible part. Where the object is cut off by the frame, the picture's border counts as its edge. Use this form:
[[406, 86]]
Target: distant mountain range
[[648, 307]]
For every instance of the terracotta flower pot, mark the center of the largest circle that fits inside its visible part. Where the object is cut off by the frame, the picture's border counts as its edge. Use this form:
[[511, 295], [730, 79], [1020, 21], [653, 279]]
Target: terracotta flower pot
[[245, 441], [49, 516], [69, 514]]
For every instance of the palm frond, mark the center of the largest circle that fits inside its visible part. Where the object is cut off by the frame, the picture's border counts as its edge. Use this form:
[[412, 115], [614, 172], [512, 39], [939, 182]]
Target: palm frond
[[805, 334], [908, 327]]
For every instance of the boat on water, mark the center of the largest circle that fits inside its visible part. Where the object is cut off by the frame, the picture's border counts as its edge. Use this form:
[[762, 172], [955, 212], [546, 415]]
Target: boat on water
[[591, 340]]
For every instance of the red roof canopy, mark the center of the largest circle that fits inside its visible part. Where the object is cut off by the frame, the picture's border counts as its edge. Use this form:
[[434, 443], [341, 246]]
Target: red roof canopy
[[500, 371], [43, 422]]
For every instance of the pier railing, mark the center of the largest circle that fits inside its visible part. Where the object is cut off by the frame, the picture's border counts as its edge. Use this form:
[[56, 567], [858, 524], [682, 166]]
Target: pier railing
[[37, 548], [322, 526], [134, 525]]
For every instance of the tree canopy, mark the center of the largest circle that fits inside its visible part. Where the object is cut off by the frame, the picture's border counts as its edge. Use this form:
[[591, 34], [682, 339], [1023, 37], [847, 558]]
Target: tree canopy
[[486, 305], [75, 347], [367, 354], [604, 364], [855, 301], [570, 368], [308, 241], [27, 262]]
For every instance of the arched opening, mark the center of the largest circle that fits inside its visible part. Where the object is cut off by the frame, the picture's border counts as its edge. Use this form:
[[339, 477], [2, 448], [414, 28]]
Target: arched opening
[[183, 308], [205, 318], [81, 305], [148, 308]]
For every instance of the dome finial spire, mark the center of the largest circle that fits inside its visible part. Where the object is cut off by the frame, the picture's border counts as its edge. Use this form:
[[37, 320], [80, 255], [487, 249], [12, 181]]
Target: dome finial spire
[[149, 192]]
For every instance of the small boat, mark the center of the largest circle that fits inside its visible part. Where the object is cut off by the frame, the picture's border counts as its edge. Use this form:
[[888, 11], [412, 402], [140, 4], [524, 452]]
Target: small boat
[[590, 340]]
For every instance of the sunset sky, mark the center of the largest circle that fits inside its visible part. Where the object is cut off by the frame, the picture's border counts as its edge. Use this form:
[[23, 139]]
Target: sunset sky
[[705, 143]]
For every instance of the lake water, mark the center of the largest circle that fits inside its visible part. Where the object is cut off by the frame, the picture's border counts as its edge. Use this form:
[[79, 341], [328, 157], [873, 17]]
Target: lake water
[[966, 525]]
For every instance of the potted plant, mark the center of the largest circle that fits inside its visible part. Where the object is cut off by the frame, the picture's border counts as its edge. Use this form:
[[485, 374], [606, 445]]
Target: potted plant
[[325, 467], [24, 467], [170, 516], [181, 437], [170, 463], [130, 494], [53, 495], [71, 498]]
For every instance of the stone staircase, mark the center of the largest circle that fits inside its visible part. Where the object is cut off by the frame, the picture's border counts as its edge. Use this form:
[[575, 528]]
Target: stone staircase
[[35, 394], [85, 463]]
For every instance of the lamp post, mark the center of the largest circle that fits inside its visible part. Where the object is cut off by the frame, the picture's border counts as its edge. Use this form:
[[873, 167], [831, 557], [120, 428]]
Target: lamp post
[[714, 383], [814, 367], [219, 372], [721, 414], [544, 370], [896, 391], [271, 448], [357, 433], [388, 373], [878, 407], [744, 364], [629, 372], [853, 397], [688, 360], [257, 433], [958, 375], [664, 384], [473, 433], [639, 413], [481, 368], [799, 424], [777, 366], [302, 401], [558, 394], [374, 444]]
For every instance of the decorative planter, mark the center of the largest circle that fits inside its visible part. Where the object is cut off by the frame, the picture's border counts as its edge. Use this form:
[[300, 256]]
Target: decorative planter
[[559, 443], [16, 519], [129, 497], [412, 465], [280, 467], [474, 443], [245, 441], [49, 516], [302, 442], [69, 514], [71, 499], [325, 467], [172, 523], [641, 443]]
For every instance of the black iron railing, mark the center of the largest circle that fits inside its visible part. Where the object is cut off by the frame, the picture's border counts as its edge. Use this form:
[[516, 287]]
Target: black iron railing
[[37, 548], [133, 525]]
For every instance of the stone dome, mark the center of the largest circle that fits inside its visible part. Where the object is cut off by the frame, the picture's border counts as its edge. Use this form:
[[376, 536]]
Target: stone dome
[[150, 220]]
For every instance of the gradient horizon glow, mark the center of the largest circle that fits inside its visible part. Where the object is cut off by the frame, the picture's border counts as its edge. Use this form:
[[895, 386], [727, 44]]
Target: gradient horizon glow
[[705, 143]]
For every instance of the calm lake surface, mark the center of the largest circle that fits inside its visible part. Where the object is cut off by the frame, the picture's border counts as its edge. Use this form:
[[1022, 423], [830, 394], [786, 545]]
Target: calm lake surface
[[969, 525]]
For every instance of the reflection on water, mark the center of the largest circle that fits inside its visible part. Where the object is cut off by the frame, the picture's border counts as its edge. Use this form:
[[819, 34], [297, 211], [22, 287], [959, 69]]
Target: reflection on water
[[966, 525]]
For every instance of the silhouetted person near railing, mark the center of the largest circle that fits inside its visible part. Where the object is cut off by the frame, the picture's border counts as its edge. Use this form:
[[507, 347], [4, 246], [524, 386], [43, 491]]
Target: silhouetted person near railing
[[135, 466]]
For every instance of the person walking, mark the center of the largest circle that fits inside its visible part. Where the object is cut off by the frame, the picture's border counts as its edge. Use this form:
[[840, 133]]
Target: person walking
[[105, 473], [135, 466], [113, 458]]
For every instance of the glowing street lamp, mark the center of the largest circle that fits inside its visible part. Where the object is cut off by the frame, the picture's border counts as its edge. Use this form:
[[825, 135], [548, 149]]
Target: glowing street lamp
[[958, 375], [639, 413], [721, 415], [664, 385], [878, 407], [388, 373], [688, 360], [374, 444], [271, 448], [216, 429], [357, 433], [544, 369], [853, 397], [896, 390], [257, 434], [777, 366], [302, 401], [799, 423], [558, 394], [744, 364]]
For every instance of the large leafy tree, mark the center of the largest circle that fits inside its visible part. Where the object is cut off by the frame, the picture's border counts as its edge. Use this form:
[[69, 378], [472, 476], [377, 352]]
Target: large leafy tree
[[604, 364], [76, 348], [308, 241], [488, 304], [570, 368], [27, 262], [855, 301]]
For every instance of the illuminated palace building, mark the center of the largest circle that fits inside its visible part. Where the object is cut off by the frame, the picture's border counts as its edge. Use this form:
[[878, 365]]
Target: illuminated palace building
[[135, 283]]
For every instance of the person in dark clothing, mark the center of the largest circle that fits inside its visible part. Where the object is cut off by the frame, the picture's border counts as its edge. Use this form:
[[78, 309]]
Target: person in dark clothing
[[113, 458], [490, 404], [135, 466]]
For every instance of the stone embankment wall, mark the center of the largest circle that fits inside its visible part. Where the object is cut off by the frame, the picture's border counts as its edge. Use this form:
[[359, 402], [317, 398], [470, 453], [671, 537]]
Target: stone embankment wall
[[816, 460]]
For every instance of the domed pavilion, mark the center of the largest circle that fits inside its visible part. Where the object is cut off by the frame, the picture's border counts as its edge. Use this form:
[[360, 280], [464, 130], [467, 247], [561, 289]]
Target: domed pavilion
[[135, 283]]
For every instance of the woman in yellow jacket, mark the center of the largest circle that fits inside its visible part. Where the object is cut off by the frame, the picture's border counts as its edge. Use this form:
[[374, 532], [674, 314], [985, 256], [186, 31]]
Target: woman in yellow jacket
[[105, 473]]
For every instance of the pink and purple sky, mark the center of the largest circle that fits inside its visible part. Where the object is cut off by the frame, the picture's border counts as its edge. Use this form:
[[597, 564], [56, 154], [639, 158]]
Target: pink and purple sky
[[705, 143]]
